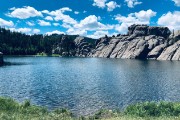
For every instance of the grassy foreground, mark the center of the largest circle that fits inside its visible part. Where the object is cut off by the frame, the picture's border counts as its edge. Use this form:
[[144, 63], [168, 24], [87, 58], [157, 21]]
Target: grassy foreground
[[11, 110]]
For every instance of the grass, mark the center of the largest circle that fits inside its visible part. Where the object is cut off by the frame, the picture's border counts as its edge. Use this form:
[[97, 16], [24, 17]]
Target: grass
[[11, 110]]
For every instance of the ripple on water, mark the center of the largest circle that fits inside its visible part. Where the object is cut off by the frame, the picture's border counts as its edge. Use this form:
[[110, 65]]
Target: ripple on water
[[85, 85]]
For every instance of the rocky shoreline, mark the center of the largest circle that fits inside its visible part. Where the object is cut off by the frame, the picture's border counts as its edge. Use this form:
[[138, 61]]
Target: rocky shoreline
[[141, 42]]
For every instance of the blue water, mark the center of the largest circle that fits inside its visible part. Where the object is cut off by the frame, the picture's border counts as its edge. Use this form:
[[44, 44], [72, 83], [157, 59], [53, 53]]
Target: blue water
[[85, 85]]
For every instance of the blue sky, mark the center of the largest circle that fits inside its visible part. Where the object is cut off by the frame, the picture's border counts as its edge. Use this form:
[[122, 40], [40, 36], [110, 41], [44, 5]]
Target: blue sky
[[92, 18]]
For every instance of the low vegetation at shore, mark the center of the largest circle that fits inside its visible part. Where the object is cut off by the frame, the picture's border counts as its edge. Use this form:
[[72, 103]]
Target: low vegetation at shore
[[11, 110]]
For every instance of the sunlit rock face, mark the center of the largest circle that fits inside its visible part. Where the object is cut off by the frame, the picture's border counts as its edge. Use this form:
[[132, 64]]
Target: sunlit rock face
[[141, 42]]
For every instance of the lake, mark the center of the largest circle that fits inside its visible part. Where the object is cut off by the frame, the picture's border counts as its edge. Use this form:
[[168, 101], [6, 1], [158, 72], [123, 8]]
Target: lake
[[85, 85]]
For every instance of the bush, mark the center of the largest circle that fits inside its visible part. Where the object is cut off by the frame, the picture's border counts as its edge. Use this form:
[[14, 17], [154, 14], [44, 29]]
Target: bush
[[9, 109], [7, 104], [153, 109]]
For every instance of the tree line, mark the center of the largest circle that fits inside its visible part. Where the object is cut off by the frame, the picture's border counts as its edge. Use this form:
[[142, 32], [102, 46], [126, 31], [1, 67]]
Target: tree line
[[16, 43]]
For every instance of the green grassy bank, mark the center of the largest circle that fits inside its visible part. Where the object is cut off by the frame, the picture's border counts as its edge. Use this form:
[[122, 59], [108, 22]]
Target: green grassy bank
[[11, 110]]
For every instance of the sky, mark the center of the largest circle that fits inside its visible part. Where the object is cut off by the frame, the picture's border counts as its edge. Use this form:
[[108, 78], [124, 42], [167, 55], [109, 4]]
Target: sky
[[91, 18]]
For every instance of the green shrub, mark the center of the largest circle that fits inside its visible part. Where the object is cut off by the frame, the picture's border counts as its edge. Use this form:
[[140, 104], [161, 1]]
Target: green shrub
[[153, 109], [7, 104], [9, 109]]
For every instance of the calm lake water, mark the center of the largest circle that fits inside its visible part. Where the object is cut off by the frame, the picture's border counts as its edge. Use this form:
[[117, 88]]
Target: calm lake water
[[85, 85]]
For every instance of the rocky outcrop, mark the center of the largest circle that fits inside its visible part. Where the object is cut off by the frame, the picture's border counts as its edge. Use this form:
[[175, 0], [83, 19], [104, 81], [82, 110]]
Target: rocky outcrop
[[1, 58], [81, 46], [66, 47], [141, 42]]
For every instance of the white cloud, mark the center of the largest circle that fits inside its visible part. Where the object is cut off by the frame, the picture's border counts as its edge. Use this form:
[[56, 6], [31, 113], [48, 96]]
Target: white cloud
[[91, 23], [132, 3], [122, 28], [76, 12], [98, 34], [112, 5], [145, 15], [24, 13], [30, 23], [65, 25], [72, 31], [177, 2], [84, 11], [100, 3], [44, 23], [142, 17], [55, 32], [171, 20], [59, 15], [49, 18], [4, 23], [36, 31], [45, 11], [23, 30], [56, 24]]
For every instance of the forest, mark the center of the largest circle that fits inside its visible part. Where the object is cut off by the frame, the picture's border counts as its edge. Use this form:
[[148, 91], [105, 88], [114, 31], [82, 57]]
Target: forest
[[15, 43]]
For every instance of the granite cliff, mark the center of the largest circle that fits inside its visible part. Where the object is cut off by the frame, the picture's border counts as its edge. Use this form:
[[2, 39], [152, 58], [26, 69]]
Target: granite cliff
[[141, 42]]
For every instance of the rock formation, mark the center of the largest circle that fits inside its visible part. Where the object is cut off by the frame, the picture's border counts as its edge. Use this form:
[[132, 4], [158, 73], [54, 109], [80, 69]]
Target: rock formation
[[81, 46], [141, 42]]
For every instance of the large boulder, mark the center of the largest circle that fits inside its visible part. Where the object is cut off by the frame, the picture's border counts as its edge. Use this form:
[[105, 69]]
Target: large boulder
[[156, 52], [144, 30], [159, 31], [140, 30], [171, 52], [134, 27]]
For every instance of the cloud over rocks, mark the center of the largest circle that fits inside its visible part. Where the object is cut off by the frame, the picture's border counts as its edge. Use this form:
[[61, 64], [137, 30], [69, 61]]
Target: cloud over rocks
[[98, 34], [132, 3], [54, 32], [73, 31], [5, 23], [141, 17], [24, 12], [171, 20]]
